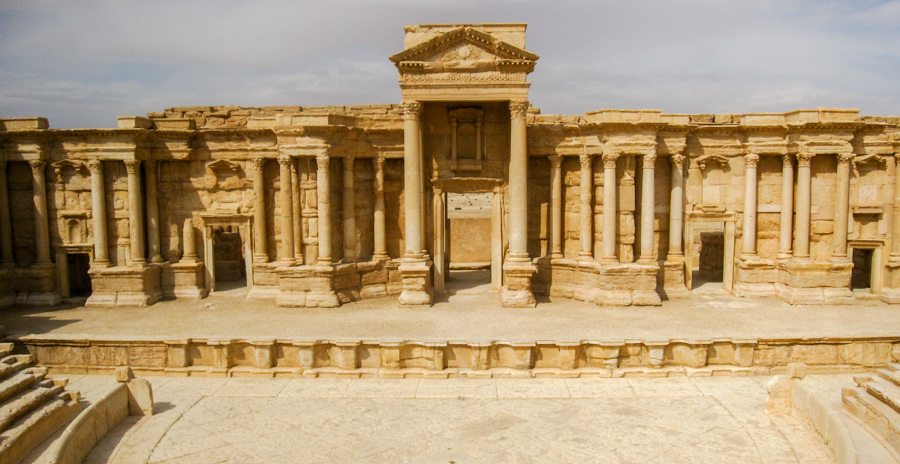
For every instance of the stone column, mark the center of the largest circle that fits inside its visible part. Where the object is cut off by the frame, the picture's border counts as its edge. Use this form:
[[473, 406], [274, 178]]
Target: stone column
[[415, 269], [323, 194], [610, 213], [587, 209], [135, 212], [842, 207], [518, 268], [555, 206], [787, 208], [190, 242], [380, 253], [98, 201], [518, 183], [412, 179], [348, 202], [298, 227], [152, 213], [287, 211], [259, 211], [648, 206], [676, 209], [801, 248], [7, 259], [748, 250], [440, 241]]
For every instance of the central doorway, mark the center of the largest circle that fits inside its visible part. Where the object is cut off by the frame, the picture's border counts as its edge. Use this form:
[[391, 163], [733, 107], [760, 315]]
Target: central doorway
[[468, 241], [230, 264], [709, 251]]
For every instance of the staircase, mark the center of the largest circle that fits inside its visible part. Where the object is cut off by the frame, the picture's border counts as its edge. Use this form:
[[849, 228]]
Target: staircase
[[31, 407], [875, 403]]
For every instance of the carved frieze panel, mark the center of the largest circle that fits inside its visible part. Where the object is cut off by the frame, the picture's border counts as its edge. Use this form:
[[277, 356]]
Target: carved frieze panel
[[224, 175]]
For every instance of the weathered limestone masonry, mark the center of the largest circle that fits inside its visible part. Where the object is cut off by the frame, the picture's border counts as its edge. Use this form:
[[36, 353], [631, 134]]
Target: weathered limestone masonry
[[322, 206]]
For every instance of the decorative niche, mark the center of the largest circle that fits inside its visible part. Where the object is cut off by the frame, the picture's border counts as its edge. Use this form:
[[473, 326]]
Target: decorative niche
[[466, 152]]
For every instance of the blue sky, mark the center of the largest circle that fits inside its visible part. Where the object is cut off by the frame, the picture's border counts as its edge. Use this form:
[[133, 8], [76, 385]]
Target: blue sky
[[82, 64]]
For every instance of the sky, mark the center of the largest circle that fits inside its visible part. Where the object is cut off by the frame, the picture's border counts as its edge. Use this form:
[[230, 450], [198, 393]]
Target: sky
[[84, 63]]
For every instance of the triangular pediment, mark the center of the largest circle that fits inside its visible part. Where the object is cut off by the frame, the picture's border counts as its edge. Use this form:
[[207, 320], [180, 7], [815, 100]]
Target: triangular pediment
[[464, 44]]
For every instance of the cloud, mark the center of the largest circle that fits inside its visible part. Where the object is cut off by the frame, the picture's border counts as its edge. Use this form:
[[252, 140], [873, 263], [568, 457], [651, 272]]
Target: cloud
[[82, 64]]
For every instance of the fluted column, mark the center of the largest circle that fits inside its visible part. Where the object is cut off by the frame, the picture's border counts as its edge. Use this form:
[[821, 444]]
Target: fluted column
[[748, 250], [348, 202], [648, 206], [787, 208], [259, 211], [295, 200], [7, 259], [842, 207], [676, 208], [412, 179], [610, 212], [587, 209], [518, 183], [378, 219], [323, 194], [98, 210], [152, 213], [135, 210], [555, 206], [287, 211], [801, 248]]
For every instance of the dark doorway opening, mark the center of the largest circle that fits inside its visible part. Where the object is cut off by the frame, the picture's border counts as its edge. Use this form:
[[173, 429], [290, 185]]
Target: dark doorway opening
[[228, 256], [712, 256], [79, 280], [861, 277]]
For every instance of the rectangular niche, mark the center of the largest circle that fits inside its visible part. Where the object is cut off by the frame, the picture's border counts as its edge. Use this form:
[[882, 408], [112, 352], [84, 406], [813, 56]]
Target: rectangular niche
[[466, 147]]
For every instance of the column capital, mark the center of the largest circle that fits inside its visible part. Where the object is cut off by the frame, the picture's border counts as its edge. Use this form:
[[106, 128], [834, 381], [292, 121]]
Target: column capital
[[37, 166], [845, 158], [286, 161], [751, 160], [322, 162], [586, 161], [649, 161], [258, 163], [412, 109], [677, 161], [95, 166], [804, 158], [517, 109], [131, 166], [609, 159], [786, 161], [555, 160]]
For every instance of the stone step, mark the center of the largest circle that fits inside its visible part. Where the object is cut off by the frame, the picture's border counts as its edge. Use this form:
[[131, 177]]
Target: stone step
[[31, 429], [893, 367], [15, 384], [886, 392], [889, 375], [874, 417], [7, 347], [25, 402]]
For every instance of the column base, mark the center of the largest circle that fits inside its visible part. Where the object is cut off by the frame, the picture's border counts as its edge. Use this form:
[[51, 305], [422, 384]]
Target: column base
[[417, 290], [805, 282], [307, 286], [517, 291], [754, 277], [182, 281], [674, 286], [125, 286], [626, 284], [890, 293]]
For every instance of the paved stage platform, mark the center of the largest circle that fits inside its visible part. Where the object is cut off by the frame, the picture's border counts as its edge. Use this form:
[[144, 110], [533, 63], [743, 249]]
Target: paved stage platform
[[465, 335]]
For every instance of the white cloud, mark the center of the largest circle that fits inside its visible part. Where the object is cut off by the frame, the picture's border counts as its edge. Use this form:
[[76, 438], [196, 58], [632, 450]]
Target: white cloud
[[82, 64]]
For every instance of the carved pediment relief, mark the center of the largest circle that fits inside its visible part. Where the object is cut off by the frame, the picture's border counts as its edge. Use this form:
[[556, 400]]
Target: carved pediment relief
[[711, 160], [870, 162], [224, 175], [464, 49]]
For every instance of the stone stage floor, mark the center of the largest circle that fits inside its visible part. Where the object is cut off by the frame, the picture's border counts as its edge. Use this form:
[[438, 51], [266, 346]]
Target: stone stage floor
[[640, 420], [472, 316]]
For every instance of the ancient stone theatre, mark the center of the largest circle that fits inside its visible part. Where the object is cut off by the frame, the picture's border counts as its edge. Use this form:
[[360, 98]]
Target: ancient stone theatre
[[324, 206]]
